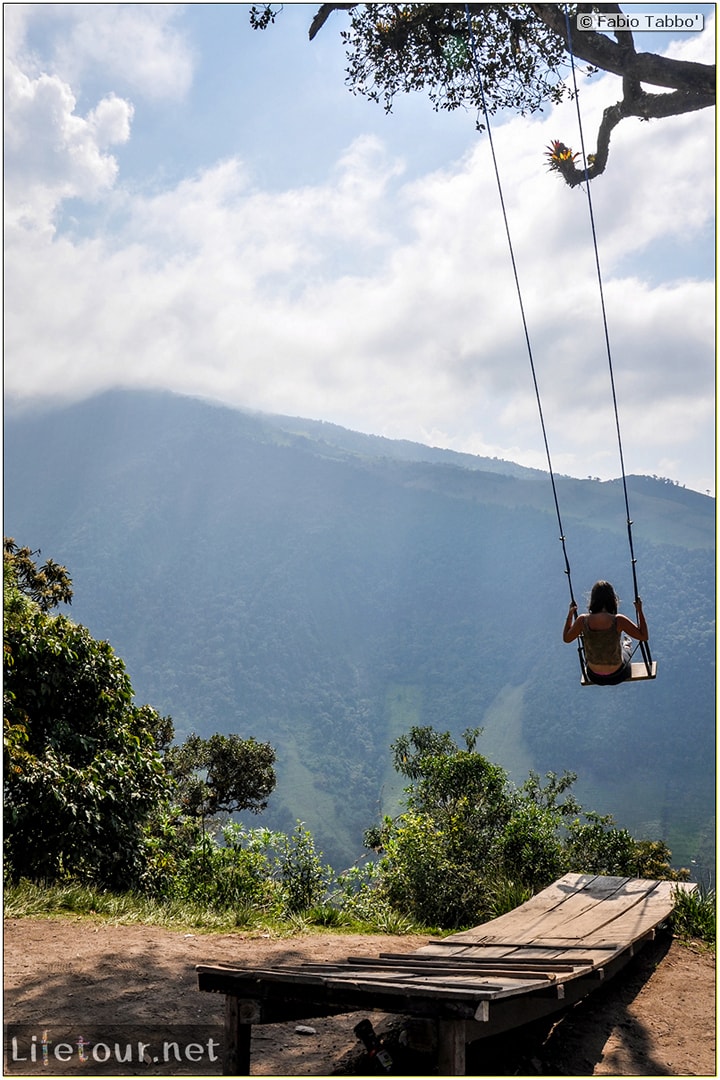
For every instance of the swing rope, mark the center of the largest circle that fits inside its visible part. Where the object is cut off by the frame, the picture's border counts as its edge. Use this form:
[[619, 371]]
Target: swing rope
[[478, 73], [644, 647]]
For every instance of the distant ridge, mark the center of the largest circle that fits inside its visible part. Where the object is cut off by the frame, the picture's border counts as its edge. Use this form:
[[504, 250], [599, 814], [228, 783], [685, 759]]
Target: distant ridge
[[325, 590], [398, 449]]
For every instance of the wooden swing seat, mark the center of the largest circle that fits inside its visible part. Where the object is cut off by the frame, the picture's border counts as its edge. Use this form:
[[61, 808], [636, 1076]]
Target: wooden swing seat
[[639, 672]]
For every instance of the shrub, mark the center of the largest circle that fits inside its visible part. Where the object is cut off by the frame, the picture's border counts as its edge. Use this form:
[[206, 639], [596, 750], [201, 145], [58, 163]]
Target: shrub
[[303, 878], [694, 914]]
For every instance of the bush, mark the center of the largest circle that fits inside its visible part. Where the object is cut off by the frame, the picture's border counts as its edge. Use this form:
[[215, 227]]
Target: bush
[[303, 878], [240, 868], [470, 846], [597, 847], [529, 850], [694, 914]]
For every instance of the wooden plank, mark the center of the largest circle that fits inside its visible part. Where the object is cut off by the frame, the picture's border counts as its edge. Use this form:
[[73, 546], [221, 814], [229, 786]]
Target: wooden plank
[[427, 971], [457, 950], [443, 987], [458, 962], [457, 987], [556, 949], [527, 924], [537, 906], [500, 951], [445, 981], [587, 903], [541, 902], [430, 971], [280, 1000], [630, 898], [636, 921]]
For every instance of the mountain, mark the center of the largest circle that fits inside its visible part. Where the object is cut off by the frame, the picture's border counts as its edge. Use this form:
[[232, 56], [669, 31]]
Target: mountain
[[324, 590]]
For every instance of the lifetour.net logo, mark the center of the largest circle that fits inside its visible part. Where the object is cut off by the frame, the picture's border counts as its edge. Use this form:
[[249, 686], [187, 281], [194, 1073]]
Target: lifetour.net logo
[[116, 1050]]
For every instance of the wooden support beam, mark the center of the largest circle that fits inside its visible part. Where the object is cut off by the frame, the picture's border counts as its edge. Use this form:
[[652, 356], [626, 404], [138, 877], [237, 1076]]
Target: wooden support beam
[[239, 1017], [451, 1047]]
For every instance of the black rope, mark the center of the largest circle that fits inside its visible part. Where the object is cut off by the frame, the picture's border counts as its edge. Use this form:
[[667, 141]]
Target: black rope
[[478, 73], [644, 647]]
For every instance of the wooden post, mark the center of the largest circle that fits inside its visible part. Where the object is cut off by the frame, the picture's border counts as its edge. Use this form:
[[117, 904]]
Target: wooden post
[[451, 1047], [239, 1017]]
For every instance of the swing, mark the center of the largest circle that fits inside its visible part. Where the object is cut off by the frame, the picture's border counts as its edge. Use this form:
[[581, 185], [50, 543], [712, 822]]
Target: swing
[[638, 672], [648, 668]]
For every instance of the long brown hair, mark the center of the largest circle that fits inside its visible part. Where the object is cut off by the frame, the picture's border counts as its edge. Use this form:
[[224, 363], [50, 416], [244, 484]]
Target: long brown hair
[[603, 598]]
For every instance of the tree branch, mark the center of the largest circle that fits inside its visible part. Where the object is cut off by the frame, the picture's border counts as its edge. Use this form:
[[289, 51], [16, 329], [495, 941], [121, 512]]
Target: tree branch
[[323, 14], [601, 52], [644, 107], [693, 84]]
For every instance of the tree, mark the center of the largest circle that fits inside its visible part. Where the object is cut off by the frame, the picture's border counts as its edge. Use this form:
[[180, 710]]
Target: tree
[[82, 769], [469, 845], [222, 774], [48, 585], [522, 52], [461, 837], [93, 788]]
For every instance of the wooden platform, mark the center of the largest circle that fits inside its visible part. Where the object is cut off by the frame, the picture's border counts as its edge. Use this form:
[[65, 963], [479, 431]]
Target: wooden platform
[[538, 959]]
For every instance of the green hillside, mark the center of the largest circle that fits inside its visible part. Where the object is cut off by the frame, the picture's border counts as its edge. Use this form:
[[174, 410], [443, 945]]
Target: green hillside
[[323, 590]]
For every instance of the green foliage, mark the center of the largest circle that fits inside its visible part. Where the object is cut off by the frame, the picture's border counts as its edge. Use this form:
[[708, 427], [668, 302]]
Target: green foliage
[[235, 873], [224, 773], [82, 771], [528, 849], [244, 869], [357, 895], [401, 48], [469, 846], [423, 872], [503, 895], [30, 899], [48, 585], [596, 847], [695, 914], [652, 860], [303, 877]]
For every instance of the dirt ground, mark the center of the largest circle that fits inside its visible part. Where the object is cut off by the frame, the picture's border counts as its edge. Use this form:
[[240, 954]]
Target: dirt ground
[[119, 985]]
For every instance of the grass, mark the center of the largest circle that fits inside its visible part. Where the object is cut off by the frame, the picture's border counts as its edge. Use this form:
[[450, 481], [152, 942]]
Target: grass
[[693, 917], [28, 899]]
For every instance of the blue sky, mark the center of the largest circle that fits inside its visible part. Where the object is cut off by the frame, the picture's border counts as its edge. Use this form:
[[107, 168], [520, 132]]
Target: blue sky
[[196, 206]]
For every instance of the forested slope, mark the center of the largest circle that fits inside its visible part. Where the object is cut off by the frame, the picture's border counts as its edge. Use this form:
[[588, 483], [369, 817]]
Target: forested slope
[[324, 590]]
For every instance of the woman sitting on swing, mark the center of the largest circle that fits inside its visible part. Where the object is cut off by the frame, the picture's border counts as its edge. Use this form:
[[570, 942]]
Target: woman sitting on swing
[[607, 654]]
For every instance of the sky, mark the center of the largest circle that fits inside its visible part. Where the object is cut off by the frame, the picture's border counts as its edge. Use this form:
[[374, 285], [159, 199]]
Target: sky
[[195, 206]]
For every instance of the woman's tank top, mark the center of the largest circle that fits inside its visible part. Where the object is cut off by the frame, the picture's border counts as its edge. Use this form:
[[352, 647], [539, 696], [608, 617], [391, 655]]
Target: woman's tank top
[[602, 647]]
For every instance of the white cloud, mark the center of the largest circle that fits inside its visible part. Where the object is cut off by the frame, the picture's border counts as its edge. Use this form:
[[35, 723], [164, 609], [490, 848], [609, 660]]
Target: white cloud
[[372, 299], [51, 153], [135, 46]]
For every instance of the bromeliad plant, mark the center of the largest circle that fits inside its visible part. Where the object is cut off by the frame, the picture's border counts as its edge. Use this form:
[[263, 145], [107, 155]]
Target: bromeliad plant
[[561, 159]]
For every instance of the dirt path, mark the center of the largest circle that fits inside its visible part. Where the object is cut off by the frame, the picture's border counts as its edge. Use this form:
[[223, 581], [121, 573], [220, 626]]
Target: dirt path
[[131, 984]]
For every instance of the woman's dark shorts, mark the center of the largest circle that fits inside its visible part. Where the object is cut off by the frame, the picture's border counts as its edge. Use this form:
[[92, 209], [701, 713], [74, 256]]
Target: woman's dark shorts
[[616, 677]]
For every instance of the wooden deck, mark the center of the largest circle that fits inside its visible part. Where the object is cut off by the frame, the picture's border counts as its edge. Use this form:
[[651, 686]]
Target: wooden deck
[[538, 959]]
